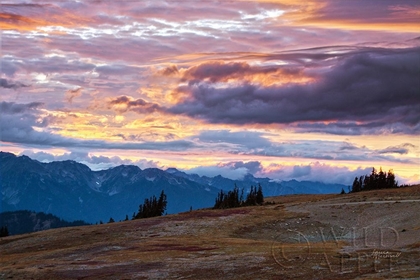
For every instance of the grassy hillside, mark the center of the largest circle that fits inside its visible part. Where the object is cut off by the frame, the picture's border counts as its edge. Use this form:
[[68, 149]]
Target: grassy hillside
[[373, 234]]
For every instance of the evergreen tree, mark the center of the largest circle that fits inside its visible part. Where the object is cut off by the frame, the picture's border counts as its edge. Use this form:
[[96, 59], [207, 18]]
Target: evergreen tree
[[356, 187], [152, 207], [260, 195], [251, 198], [111, 220], [361, 180], [235, 199], [390, 180], [374, 181], [381, 179], [161, 207], [230, 200], [366, 183]]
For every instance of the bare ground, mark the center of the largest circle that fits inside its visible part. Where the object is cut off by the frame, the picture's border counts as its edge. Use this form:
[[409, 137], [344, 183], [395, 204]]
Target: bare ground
[[374, 235]]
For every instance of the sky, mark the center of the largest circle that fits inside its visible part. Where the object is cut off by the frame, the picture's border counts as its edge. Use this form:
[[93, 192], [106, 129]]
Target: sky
[[307, 90]]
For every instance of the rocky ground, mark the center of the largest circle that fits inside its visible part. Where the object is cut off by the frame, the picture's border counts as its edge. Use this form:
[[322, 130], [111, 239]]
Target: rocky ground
[[374, 235]]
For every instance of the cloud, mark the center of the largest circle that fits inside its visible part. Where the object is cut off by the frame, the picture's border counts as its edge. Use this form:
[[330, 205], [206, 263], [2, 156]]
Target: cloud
[[258, 144], [15, 108], [56, 64], [235, 170], [219, 71], [26, 17], [224, 171], [301, 171], [27, 124], [357, 128], [4, 83], [246, 139], [124, 104], [169, 71], [349, 15], [359, 88], [400, 149], [252, 167], [72, 93], [315, 171]]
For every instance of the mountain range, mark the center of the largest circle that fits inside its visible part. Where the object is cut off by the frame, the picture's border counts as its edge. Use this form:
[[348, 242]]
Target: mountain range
[[72, 191]]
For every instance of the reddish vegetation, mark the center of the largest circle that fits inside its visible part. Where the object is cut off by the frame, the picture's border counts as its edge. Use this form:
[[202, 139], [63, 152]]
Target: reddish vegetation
[[245, 243], [175, 247]]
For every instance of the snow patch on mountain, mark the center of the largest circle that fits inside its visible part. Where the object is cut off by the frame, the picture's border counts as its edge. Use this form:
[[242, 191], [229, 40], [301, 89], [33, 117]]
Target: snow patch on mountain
[[151, 179]]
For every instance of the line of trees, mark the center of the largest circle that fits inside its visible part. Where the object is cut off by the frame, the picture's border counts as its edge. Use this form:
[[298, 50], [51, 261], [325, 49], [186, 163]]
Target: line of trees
[[233, 198], [152, 207], [374, 181]]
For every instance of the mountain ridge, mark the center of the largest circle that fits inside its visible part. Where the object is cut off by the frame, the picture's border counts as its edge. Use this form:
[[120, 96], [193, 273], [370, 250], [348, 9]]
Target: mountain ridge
[[72, 191]]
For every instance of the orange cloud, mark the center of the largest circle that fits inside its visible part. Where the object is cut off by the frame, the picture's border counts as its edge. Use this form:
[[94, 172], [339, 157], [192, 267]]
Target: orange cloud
[[354, 16], [17, 22], [366, 26], [237, 72], [31, 17]]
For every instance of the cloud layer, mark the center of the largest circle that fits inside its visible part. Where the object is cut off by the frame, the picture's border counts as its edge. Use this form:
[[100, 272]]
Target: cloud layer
[[369, 89], [232, 86]]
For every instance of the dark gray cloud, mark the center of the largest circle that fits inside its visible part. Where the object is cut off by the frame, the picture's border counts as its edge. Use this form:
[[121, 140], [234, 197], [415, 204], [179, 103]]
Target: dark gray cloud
[[123, 104], [399, 149], [355, 128], [253, 167], [377, 88], [4, 83], [301, 171], [16, 108]]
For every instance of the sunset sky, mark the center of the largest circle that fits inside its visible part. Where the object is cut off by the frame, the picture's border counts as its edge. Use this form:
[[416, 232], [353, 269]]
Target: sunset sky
[[305, 90]]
